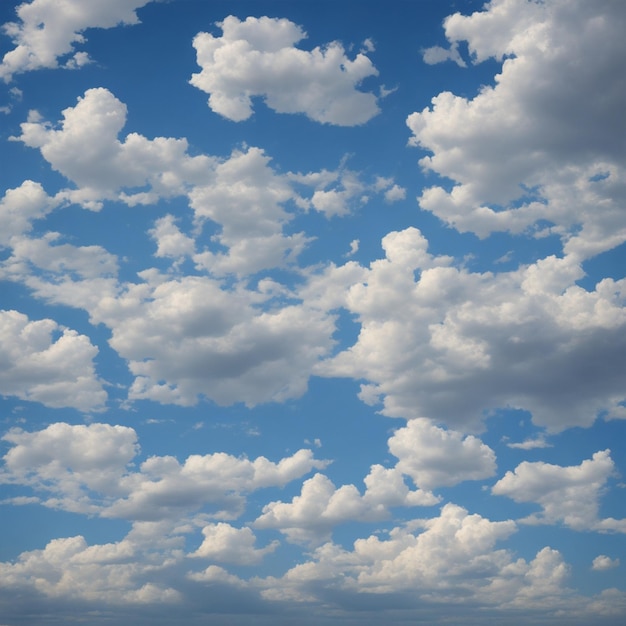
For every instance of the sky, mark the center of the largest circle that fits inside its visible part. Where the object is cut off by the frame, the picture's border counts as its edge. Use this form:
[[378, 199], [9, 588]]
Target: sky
[[312, 312]]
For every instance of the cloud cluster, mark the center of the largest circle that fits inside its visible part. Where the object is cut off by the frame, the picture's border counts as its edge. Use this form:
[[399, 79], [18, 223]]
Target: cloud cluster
[[566, 494], [452, 345], [449, 559], [258, 57], [545, 144], [48, 31], [87, 469], [230, 344], [29, 366], [311, 517]]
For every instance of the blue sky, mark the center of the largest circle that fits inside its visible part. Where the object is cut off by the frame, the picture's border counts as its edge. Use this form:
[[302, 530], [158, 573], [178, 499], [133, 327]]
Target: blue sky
[[312, 312]]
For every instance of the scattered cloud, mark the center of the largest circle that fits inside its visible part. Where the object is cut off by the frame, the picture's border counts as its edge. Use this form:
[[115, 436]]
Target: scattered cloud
[[31, 352], [544, 143], [570, 495], [47, 32], [259, 57], [603, 562]]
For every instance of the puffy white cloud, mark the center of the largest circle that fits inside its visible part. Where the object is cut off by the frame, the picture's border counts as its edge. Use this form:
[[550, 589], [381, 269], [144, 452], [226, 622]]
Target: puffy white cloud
[[312, 516], [60, 259], [566, 494], [545, 143], [87, 468], [20, 207], [603, 562], [227, 544], [164, 488], [439, 559], [31, 352], [171, 242], [86, 150], [435, 457], [451, 345], [49, 30], [246, 198], [189, 337], [67, 461], [258, 57], [69, 568]]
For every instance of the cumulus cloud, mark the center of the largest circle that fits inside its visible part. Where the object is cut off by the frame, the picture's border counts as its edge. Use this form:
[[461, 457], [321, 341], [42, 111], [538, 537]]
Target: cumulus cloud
[[603, 562], [67, 461], [86, 468], [312, 516], [434, 457], [448, 344], [29, 366], [86, 150], [544, 145], [70, 568], [570, 495], [48, 31], [431, 559], [226, 544], [259, 57], [20, 207]]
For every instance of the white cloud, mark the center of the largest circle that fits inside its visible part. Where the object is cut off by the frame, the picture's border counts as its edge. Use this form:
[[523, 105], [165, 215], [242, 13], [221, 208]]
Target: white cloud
[[87, 468], [544, 143], [67, 461], [258, 57], [431, 559], [312, 516], [20, 207], [603, 562], [437, 54], [434, 457], [452, 345], [70, 568], [203, 340], [86, 150], [164, 488], [226, 544], [29, 365], [530, 444], [566, 494], [48, 31], [247, 198], [171, 242]]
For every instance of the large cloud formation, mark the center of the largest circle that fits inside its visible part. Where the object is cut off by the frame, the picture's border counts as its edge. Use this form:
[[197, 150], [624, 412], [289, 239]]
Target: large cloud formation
[[545, 144]]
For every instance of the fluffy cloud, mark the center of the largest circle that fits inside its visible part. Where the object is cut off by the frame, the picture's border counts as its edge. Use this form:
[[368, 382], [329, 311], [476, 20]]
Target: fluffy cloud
[[20, 207], [48, 31], [545, 143], [203, 340], [29, 365], [566, 494], [435, 457], [86, 150], [87, 469], [435, 559], [311, 516], [603, 562], [451, 345], [164, 488], [69, 461], [70, 568], [258, 57], [227, 544]]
